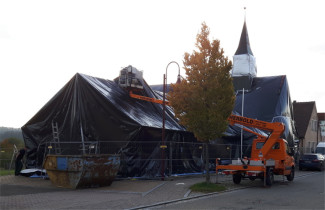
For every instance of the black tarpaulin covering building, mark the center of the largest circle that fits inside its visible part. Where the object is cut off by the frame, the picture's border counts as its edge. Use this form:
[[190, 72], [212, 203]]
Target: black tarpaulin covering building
[[106, 119]]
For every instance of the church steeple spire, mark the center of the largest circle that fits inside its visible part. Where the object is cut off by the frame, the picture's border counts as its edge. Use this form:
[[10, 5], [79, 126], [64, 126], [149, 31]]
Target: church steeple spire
[[244, 46], [244, 66], [244, 60]]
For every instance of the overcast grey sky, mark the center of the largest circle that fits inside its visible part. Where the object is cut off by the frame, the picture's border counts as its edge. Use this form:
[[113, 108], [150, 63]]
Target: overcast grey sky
[[43, 44]]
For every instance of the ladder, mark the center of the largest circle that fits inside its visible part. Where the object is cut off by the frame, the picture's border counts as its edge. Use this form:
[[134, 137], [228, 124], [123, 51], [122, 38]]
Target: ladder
[[56, 139], [15, 152]]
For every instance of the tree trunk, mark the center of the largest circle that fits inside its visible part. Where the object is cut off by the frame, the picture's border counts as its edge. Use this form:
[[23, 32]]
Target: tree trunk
[[207, 175]]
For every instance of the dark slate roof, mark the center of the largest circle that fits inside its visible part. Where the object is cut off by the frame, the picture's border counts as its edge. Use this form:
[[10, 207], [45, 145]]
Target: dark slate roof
[[302, 114], [244, 46]]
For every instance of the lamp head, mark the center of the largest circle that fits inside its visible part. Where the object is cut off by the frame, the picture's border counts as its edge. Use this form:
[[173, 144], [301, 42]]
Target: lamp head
[[178, 79]]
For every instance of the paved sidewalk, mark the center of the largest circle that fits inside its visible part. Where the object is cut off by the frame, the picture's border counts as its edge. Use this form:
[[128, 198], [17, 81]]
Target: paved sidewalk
[[19, 192]]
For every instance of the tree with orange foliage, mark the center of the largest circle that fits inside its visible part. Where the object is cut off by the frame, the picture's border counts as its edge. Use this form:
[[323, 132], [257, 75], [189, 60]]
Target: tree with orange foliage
[[205, 98]]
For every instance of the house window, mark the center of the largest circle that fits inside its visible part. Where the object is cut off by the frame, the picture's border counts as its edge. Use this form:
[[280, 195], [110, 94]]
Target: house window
[[322, 127], [313, 125]]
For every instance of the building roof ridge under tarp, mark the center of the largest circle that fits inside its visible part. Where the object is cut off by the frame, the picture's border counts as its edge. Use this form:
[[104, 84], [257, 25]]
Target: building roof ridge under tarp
[[142, 112], [93, 103]]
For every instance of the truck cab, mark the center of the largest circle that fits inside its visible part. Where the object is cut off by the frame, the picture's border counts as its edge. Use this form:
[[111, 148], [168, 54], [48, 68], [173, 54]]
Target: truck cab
[[280, 153]]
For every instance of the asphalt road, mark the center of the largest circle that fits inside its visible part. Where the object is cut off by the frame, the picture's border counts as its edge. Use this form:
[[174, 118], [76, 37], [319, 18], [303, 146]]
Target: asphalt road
[[305, 192]]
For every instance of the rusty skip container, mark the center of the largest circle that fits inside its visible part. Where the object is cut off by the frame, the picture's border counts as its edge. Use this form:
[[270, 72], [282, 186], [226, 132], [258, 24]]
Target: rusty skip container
[[80, 171]]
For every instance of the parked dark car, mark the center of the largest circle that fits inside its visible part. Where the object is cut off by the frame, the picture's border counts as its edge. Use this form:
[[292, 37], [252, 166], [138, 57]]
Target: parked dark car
[[311, 161]]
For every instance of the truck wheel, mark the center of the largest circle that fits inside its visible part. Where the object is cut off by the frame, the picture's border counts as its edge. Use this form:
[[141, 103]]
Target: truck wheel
[[236, 178], [291, 176], [269, 177]]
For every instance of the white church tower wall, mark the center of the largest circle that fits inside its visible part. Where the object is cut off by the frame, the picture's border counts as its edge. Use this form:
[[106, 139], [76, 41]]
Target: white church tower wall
[[244, 65]]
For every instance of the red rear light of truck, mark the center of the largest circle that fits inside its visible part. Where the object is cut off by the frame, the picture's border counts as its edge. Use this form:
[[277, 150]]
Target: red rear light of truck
[[226, 172]]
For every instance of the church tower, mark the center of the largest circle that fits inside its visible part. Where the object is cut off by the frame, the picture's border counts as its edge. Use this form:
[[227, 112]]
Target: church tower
[[244, 63]]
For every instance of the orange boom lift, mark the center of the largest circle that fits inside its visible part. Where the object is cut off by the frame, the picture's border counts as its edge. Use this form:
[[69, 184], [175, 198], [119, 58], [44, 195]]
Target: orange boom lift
[[144, 98], [270, 155], [130, 79]]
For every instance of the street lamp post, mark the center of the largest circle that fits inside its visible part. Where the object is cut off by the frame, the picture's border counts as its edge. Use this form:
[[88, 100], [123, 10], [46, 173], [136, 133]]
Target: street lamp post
[[163, 146]]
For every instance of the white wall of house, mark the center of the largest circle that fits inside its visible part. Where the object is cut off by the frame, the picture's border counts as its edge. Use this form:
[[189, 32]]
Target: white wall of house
[[312, 136]]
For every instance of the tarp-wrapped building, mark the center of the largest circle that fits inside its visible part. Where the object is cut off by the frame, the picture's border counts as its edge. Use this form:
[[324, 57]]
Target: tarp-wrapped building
[[95, 115]]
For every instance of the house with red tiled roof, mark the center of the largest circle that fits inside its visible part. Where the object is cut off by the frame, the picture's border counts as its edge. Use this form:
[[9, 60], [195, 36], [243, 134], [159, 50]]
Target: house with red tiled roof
[[306, 122], [321, 120]]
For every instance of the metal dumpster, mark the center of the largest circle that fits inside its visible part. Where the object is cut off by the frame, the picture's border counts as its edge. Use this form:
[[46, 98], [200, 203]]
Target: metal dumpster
[[80, 171]]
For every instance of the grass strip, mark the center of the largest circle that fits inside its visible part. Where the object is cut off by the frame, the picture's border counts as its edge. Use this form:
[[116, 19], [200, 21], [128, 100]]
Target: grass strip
[[4, 172], [205, 187]]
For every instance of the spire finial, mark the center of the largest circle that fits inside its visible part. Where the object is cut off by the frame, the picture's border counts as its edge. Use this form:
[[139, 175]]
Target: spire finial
[[245, 13]]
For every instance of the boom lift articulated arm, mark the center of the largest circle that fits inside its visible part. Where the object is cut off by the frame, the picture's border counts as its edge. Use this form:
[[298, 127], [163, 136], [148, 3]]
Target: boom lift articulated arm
[[144, 98], [131, 79], [276, 129]]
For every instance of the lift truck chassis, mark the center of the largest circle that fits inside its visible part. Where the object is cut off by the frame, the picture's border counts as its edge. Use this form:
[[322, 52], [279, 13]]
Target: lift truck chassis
[[270, 155]]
